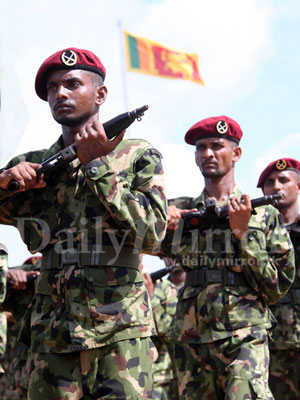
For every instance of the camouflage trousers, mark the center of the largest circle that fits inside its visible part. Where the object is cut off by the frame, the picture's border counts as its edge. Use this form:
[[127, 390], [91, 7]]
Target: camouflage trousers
[[284, 377], [121, 371], [14, 383], [235, 368], [165, 382]]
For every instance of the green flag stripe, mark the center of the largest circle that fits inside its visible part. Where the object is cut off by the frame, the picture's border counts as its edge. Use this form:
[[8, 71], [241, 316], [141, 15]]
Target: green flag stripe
[[133, 52]]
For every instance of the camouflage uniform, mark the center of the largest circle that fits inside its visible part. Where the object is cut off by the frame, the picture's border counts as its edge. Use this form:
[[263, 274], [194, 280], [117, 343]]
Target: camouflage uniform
[[163, 303], [222, 314], [14, 384], [285, 344], [3, 322], [91, 305]]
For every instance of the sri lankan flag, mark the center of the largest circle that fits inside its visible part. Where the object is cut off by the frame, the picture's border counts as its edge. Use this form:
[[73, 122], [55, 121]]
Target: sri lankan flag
[[148, 57]]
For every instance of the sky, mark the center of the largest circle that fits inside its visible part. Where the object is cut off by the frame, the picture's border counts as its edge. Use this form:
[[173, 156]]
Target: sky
[[249, 60]]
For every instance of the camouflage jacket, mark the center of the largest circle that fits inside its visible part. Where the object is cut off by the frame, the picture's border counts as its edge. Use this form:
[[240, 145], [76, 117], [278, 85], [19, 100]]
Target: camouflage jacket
[[3, 322], [14, 383], [265, 258], [163, 301], [3, 271], [17, 301], [117, 201], [286, 333]]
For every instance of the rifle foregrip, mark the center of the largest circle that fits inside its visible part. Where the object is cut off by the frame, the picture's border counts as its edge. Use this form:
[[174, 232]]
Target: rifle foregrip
[[13, 186]]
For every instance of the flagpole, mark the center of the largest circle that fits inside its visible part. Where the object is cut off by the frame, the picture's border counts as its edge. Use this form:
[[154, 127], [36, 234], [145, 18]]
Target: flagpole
[[123, 66]]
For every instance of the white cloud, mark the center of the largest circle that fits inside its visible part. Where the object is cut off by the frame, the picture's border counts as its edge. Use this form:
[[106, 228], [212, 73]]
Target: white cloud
[[231, 37], [288, 146], [183, 177]]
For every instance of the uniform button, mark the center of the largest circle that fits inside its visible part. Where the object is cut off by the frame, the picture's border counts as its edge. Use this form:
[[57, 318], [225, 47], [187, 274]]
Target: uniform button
[[92, 171], [250, 237]]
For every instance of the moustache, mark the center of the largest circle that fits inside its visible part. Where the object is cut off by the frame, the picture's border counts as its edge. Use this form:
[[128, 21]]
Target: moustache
[[62, 104]]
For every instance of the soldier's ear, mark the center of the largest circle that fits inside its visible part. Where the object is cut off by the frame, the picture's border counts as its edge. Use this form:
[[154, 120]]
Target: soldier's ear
[[237, 153], [298, 185], [101, 93]]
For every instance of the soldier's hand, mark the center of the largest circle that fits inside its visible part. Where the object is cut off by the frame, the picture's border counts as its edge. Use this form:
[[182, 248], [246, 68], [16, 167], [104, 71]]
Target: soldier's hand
[[240, 210], [18, 278], [10, 317], [25, 174], [148, 282], [174, 216], [92, 142]]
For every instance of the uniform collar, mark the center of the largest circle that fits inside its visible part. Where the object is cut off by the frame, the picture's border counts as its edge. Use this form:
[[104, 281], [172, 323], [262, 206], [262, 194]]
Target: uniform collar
[[55, 148], [200, 201]]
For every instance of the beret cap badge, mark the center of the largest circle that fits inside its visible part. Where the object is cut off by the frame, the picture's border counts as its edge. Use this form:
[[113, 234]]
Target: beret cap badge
[[69, 58], [221, 127], [281, 165]]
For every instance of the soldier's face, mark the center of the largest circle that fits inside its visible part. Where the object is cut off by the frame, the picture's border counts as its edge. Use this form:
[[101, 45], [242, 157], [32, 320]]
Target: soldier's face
[[72, 96], [216, 157], [283, 182]]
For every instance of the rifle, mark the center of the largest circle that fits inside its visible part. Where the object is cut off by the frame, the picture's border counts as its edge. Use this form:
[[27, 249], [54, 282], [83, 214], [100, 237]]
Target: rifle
[[171, 265], [156, 275], [209, 214], [112, 128], [30, 283]]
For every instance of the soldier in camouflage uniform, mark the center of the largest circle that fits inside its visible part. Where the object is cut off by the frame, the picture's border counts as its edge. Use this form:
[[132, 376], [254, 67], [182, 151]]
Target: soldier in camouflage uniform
[[90, 321], [283, 176], [14, 384], [163, 303], [235, 267], [3, 321]]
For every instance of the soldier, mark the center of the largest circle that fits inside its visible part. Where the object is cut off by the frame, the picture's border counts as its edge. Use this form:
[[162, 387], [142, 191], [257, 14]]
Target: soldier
[[3, 320], [235, 267], [283, 176], [90, 322], [163, 303], [20, 290]]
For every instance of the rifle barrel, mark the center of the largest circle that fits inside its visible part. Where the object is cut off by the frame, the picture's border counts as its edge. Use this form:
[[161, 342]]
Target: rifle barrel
[[156, 275]]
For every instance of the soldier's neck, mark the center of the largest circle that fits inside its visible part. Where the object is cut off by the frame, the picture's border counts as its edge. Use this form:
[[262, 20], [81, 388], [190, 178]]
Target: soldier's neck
[[220, 188], [69, 132], [290, 214]]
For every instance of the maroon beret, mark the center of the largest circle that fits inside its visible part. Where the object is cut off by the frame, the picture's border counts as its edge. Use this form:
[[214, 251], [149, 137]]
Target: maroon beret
[[282, 164], [70, 58], [221, 127]]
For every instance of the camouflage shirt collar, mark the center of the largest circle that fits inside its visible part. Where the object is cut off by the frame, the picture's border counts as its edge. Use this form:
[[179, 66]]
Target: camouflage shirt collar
[[200, 201], [55, 148], [294, 227]]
